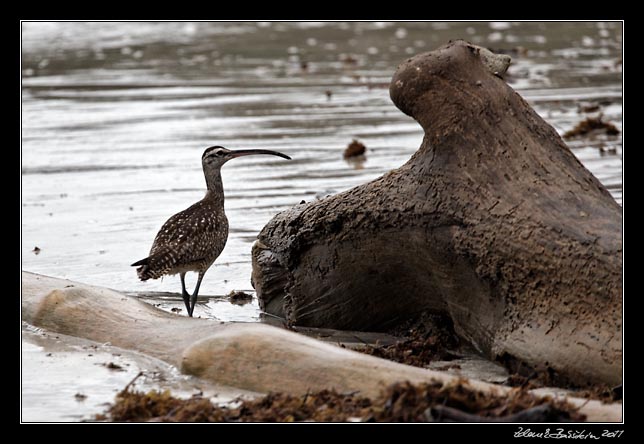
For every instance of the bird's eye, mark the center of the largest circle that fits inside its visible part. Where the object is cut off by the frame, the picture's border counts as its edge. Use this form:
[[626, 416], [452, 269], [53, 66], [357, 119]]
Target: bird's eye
[[219, 153]]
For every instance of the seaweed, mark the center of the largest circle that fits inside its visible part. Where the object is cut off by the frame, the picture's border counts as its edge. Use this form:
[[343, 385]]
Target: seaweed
[[400, 402], [424, 340], [591, 125]]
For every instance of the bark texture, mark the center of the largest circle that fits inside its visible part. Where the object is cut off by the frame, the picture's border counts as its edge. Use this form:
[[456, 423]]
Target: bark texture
[[493, 222]]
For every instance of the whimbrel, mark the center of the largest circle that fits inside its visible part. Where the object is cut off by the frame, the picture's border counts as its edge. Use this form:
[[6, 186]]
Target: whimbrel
[[192, 239]]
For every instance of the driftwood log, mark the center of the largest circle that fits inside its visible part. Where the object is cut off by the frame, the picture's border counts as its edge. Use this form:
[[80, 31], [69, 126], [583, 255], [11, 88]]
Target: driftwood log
[[493, 223], [248, 356]]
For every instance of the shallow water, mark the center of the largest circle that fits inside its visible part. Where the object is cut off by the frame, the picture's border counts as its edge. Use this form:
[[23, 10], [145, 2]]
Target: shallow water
[[115, 117], [83, 377]]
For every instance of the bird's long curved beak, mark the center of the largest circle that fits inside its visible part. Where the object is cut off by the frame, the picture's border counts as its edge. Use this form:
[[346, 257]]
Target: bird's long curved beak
[[240, 153]]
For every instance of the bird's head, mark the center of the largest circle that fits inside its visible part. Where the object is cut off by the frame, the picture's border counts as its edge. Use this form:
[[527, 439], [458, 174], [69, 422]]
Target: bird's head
[[215, 156]]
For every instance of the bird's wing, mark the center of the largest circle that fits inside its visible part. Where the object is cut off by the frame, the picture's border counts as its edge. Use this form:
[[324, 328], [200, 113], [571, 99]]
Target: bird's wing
[[190, 235]]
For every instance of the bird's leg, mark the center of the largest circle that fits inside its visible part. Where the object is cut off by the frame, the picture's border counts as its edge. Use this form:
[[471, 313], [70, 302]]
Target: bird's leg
[[193, 298], [184, 293]]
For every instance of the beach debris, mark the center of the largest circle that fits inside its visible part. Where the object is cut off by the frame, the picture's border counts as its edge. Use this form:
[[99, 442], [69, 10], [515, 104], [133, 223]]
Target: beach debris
[[591, 125], [348, 60], [588, 107], [36, 251], [239, 297], [610, 151], [419, 348], [355, 148], [111, 366]]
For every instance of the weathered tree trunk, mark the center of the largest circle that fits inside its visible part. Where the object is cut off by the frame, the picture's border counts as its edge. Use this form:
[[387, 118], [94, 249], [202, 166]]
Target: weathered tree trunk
[[493, 222]]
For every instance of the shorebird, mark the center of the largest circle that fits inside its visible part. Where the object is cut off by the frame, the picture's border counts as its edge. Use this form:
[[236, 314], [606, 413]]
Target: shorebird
[[192, 239]]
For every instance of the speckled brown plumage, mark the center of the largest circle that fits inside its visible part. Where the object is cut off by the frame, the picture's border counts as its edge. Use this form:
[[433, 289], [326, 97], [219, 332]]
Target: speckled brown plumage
[[189, 241]]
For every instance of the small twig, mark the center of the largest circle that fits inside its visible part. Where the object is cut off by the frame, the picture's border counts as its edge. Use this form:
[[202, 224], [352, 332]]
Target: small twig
[[527, 381], [168, 415], [306, 396], [581, 406], [354, 392], [132, 382], [265, 313], [360, 339]]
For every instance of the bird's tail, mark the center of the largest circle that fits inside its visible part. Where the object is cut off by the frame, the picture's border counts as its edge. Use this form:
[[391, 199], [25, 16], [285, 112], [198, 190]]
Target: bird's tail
[[144, 269], [153, 267]]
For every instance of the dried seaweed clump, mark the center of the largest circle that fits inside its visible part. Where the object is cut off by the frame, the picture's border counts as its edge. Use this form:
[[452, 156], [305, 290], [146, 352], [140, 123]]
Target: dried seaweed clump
[[133, 406], [591, 125], [459, 402], [401, 402], [423, 341]]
